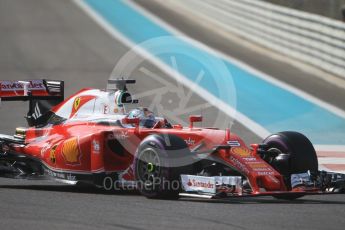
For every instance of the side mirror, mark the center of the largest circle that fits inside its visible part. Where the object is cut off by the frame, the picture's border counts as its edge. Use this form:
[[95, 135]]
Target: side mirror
[[193, 119], [133, 121]]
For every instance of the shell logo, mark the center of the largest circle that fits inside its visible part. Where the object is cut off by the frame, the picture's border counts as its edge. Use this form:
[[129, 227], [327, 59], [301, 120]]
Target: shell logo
[[70, 151], [240, 151]]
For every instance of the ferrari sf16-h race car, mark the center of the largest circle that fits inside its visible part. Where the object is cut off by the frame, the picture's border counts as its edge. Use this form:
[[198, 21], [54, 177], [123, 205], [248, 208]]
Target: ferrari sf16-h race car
[[90, 138]]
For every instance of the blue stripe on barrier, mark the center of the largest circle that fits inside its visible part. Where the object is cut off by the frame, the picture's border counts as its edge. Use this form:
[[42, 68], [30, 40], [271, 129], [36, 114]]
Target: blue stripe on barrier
[[270, 106]]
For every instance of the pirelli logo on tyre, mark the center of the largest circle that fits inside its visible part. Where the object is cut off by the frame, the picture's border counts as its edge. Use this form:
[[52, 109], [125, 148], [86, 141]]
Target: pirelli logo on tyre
[[70, 151]]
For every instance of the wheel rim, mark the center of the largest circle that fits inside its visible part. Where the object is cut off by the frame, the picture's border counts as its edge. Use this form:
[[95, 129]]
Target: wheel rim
[[149, 167]]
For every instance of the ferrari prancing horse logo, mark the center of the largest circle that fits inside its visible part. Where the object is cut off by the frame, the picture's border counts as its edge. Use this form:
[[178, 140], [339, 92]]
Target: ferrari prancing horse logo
[[76, 103], [79, 102]]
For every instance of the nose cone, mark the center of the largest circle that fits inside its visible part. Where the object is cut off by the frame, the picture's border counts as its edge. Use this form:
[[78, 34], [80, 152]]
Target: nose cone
[[271, 183]]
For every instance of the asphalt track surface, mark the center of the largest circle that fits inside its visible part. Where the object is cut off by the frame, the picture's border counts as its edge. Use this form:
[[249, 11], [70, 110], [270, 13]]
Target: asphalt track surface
[[55, 39]]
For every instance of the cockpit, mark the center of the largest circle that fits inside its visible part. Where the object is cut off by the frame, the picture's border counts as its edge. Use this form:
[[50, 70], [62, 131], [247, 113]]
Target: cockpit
[[146, 117]]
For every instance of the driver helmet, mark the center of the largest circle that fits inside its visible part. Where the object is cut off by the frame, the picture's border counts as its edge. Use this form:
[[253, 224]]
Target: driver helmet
[[147, 117]]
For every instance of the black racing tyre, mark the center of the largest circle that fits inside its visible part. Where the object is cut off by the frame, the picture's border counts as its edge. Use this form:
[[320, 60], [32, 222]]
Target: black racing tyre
[[301, 156], [158, 164]]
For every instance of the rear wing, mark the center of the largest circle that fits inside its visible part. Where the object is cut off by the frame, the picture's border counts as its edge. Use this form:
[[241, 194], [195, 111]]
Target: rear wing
[[41, 94], [31, 89]]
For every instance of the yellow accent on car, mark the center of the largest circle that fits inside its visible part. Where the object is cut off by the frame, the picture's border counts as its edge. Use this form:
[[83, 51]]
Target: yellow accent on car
[[70, 150]]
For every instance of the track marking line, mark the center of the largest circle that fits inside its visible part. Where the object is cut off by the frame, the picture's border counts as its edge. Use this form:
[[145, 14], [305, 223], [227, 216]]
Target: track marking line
[[332, 108], [254, 126]]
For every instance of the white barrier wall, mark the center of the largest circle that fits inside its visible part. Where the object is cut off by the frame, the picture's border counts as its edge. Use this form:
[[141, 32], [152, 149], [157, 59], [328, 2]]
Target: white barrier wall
[[314, 39]]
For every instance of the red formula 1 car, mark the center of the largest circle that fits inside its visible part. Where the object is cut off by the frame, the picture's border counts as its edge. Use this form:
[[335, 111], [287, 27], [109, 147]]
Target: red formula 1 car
[[90, 138]]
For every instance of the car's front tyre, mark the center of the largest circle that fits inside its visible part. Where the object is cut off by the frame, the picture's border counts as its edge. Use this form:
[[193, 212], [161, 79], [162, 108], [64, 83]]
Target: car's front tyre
[[294, 154], [158, 164]]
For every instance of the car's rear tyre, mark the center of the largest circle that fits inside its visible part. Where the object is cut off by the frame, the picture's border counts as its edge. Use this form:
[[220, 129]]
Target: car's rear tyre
[[301, 156], [158, 164]]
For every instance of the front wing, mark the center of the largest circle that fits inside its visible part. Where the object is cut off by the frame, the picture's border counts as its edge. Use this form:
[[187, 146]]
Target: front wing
[[223, 187]]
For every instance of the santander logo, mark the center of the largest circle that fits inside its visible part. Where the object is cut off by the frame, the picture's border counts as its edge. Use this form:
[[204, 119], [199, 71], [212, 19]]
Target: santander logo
[[200, 184], [13, 85]]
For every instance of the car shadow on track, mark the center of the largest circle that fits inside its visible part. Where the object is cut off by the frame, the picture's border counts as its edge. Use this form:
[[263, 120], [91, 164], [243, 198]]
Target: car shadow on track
[[70, 189], [265, 200], [97, 191]]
